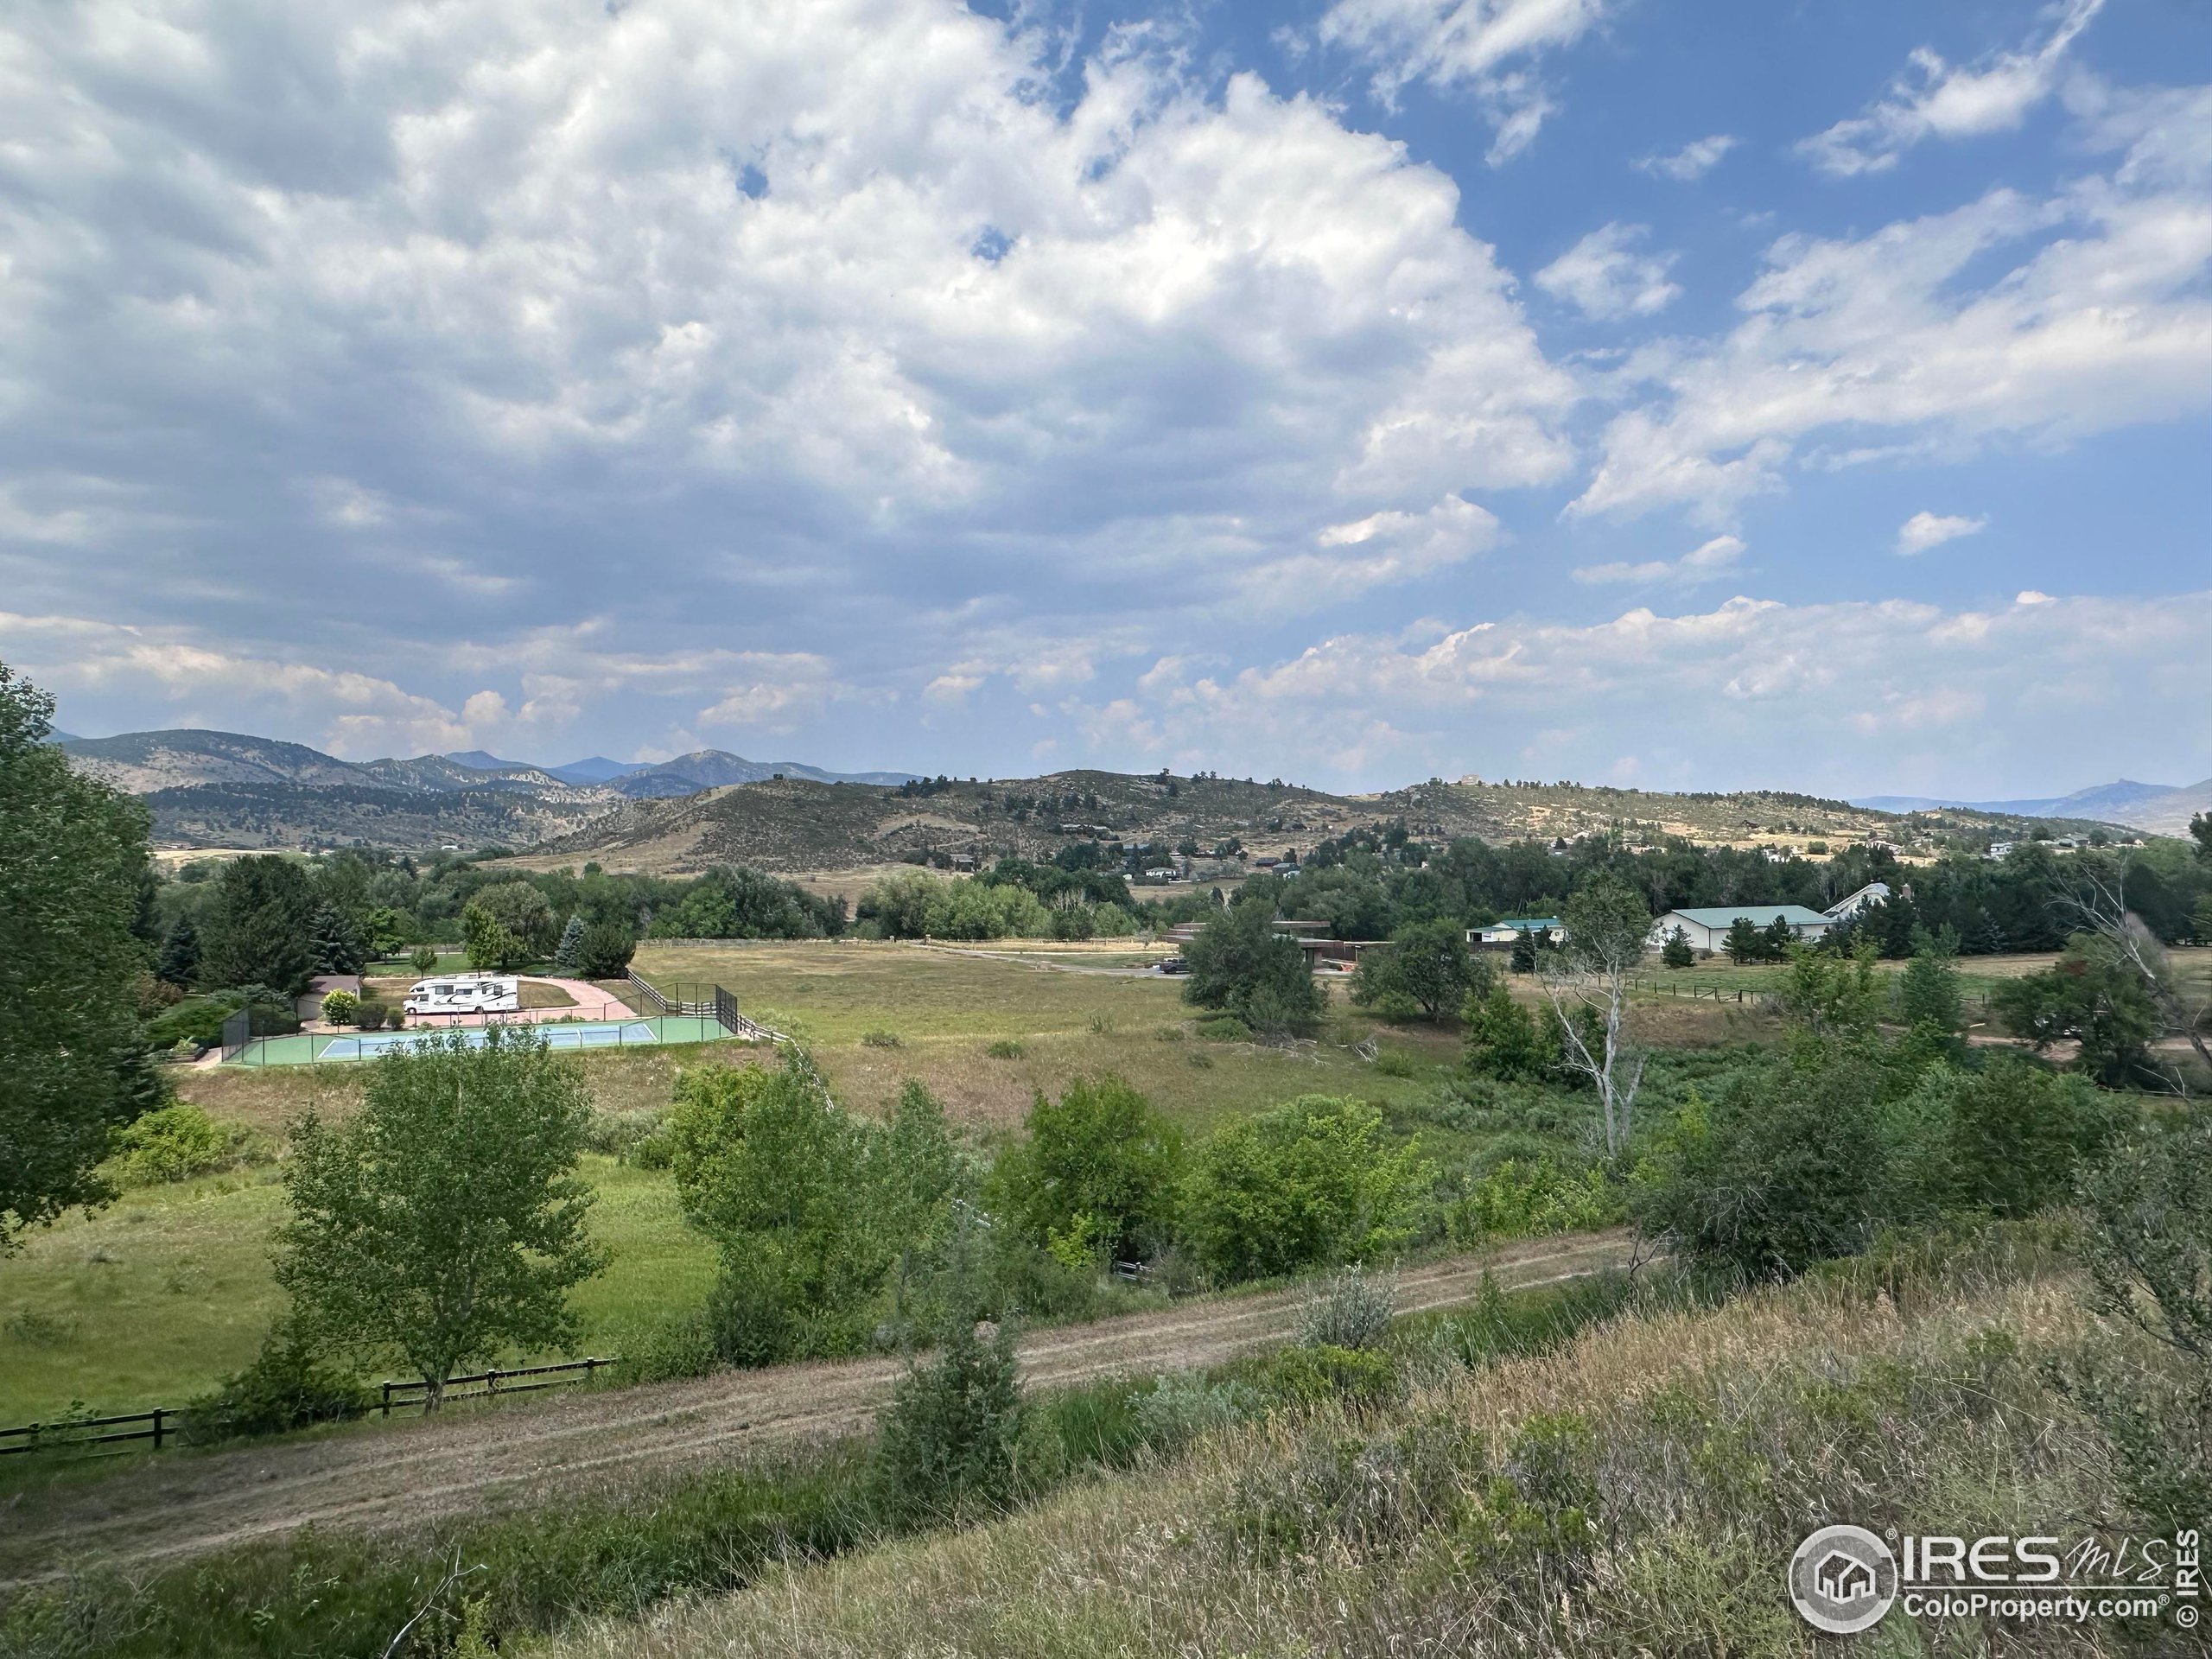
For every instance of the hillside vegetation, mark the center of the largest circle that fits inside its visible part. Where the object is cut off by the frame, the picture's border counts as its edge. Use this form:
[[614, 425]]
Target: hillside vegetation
[[1631, 1492], [796, 824]]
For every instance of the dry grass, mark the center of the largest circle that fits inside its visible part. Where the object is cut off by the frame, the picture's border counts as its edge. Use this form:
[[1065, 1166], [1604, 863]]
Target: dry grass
[[622, 1080], [947, 1007], [1702, 1446]]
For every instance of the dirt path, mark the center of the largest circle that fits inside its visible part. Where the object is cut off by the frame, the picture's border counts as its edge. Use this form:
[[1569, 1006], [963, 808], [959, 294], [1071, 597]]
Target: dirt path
[[170, 1505]]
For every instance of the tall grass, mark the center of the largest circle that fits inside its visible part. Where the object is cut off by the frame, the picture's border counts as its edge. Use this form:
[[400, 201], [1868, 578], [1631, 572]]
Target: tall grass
[[1635, 1488]]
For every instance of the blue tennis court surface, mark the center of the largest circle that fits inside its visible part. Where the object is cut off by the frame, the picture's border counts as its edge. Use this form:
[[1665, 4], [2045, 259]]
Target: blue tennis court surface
[[313, 1048]]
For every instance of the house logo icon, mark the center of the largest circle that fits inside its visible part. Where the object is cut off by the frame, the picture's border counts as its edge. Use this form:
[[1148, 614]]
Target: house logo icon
[[1843, 1579]]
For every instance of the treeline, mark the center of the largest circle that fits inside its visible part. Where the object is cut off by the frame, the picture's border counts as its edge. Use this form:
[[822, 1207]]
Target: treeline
[[1013, 898], [838, 1234], [1373, 884]]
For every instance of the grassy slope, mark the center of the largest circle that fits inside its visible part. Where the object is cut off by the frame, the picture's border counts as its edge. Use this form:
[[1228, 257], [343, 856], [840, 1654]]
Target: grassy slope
[[152, 1301], [1638, 1492]]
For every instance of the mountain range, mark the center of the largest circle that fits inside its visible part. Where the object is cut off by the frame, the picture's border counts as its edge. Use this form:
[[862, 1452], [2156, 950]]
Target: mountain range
[[230, 789], [687, 774], [2163, 809], [227, 789]]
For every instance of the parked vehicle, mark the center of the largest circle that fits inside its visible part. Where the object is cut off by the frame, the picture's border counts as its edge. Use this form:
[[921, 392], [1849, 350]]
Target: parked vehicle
[[1174, 965], [464, 994]]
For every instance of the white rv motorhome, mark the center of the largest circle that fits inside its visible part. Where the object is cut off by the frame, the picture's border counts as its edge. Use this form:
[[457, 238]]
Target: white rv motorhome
[[464, 994]]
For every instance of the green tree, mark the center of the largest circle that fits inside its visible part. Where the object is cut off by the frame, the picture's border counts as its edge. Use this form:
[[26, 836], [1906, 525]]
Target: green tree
[[770, 1167], [915, 1177], [1428, 966], [947, 1440], [1097, 1172], [424, 959], [567, 954], [1523, 957], [340, 946], [507, 925], [445, 1222], [1743, 943], [1775, 940], [1824, 994], [1676, 952], [1928, 989], [2015, 1134], [72, 852], [2093, 995], [1310, 1183], [1776, 1172], [605, 950], [1238, 962], [261, 929], [179, 962], [1504, 1040]]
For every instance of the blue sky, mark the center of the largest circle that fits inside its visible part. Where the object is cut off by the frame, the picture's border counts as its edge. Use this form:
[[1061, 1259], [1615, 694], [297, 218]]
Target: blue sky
[[1359, 391]]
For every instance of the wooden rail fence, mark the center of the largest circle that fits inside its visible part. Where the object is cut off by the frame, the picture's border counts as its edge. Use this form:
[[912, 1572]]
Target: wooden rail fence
[[166, 1423]]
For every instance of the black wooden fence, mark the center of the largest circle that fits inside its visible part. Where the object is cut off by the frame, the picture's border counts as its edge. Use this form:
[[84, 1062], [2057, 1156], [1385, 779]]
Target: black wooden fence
[[166, 1423]]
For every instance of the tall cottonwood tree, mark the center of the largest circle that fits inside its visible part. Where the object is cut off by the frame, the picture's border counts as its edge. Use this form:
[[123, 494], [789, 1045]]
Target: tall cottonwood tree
[[73, 853], [446, 1220]]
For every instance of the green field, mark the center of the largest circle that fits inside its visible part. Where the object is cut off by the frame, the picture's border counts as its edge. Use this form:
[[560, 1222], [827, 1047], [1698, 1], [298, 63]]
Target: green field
[[945, 1009], [154, 1299]]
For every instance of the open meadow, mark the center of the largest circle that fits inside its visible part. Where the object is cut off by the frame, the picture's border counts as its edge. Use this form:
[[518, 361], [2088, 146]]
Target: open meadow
[[154, 1299]]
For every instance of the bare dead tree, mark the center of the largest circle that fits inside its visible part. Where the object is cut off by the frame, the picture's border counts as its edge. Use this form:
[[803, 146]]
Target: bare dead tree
[[2093, 893], [1607, 930]]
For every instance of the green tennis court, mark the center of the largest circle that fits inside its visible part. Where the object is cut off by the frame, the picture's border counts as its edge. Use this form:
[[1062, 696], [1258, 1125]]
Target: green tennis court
[[312, 1048]]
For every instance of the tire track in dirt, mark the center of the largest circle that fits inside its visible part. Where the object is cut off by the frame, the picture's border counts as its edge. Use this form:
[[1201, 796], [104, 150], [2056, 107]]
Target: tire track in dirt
[[156, 1510]]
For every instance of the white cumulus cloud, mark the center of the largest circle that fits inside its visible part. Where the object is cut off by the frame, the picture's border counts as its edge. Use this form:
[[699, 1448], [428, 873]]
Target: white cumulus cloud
[[1926, 529], [1703, 563], [1692, 160], [1604, 278], [1454, 44], [1935, 99]]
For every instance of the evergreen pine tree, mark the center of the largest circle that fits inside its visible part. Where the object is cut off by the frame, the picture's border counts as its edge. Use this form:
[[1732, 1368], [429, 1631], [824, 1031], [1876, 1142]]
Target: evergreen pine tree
[[340, 945], [179, 961], [1676, 952], [568, 955]]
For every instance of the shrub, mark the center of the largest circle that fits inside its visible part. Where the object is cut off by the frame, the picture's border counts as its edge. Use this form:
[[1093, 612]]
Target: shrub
[[341, 1008], [1228, 1028], [285, 1388], [1505, 1041], [1395, 1063], [1350, 1309], [947, 1438], [2148, 1247], [1528, 1198], [174, 1144], [1180, 1407], [882, 1040], [1006, 1048], [1097, 1173], [1315, 1375], [1307, 1184]]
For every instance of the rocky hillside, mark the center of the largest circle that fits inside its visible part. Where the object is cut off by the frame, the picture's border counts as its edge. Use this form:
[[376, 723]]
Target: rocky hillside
[[796, 824]]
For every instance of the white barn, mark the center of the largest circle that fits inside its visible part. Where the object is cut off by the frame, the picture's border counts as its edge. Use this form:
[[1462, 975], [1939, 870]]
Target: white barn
[[1706, 926]]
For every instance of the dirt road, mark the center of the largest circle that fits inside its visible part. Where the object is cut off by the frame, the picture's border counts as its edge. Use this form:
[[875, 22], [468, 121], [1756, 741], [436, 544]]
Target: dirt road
[[160, 1507]]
